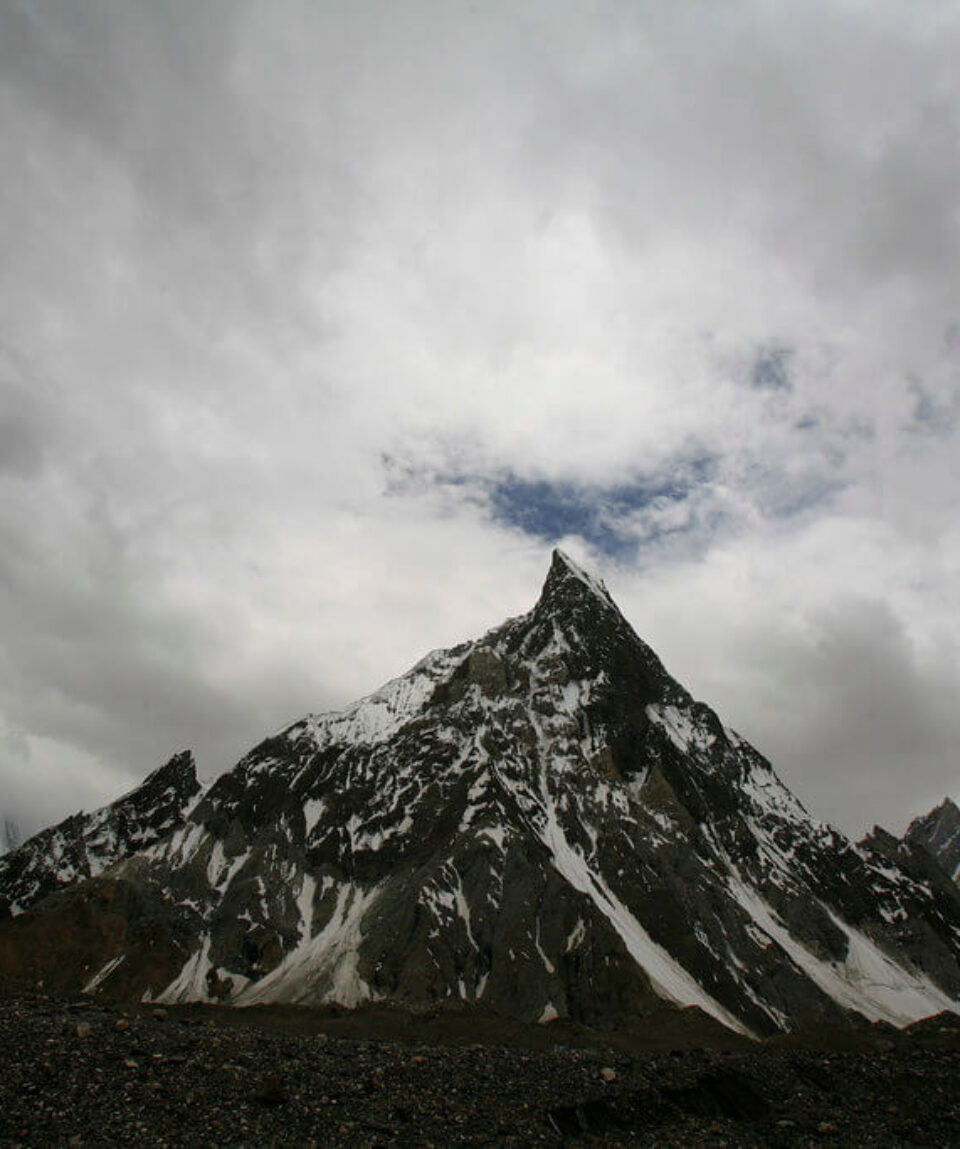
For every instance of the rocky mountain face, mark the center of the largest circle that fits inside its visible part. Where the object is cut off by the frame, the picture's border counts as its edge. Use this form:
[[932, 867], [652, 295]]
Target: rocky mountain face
[[85, 845], [542, 823], [939, 833]]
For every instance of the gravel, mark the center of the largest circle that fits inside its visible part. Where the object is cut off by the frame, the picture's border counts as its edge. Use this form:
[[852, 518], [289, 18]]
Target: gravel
[[88, 1073]]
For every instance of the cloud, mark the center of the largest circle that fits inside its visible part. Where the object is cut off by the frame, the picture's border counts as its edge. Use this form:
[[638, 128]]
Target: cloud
[[676, 283]]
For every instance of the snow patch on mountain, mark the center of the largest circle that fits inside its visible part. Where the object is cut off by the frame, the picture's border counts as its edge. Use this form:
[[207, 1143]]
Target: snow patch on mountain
[[192, 983], [866, 981], [682, 730], [668, 978], [323, 967], [376, 718]]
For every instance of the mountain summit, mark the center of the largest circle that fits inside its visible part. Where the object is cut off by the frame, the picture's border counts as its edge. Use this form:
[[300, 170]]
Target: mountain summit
[[939, 833], [541, 823]]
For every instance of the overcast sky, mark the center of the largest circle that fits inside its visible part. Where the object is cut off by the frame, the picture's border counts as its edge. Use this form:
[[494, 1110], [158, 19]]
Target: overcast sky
[[321, 323]]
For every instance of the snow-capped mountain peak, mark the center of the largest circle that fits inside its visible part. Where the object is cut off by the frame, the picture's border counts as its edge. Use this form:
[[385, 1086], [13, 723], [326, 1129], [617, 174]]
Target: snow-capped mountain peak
[[563, 569], [541, 822]]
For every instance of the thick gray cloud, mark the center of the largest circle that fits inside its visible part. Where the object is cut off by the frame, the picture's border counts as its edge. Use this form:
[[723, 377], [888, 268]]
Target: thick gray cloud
[[321, 323]]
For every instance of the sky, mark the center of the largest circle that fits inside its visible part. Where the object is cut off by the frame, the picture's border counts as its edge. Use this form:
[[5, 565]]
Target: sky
[[322, 323]]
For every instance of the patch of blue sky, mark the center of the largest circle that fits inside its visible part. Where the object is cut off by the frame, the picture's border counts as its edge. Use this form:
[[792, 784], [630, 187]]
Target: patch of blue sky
[[679, 509], [773, 369], [931, 416], [615, 519], [556, 510]]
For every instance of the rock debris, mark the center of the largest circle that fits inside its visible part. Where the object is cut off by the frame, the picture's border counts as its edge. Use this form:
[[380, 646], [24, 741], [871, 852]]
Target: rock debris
[[202, 1077]]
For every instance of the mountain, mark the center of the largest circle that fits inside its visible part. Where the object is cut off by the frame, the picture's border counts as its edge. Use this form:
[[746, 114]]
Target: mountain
[[939, 832], [930, 848], [87, 844], [9, 834], [540, 823]]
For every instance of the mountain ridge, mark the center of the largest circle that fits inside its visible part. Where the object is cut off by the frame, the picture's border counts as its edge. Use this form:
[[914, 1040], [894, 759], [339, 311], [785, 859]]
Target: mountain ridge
[[84, 845], [540, 822]]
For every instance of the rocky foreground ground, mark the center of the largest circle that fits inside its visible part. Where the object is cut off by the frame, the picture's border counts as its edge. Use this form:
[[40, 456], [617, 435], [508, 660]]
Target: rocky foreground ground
[[79, 1072]]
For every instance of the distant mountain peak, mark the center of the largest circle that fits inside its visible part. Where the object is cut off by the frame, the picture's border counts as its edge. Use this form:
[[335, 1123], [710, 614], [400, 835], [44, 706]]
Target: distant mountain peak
[[84, 845], [938, 832]]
